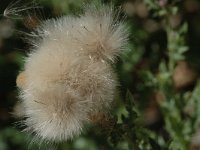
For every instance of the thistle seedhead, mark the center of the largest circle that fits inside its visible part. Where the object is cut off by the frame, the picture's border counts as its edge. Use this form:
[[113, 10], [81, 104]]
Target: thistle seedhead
[[67, 76]]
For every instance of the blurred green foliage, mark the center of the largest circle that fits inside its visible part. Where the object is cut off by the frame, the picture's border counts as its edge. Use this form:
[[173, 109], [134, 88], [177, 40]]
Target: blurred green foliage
[[157, 105]]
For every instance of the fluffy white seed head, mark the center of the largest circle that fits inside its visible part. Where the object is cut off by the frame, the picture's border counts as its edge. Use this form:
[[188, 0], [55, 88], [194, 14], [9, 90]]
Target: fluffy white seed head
[[67, 76]]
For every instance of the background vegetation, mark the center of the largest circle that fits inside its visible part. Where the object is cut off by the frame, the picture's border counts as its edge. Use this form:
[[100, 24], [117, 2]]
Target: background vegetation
[[158, 103]]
